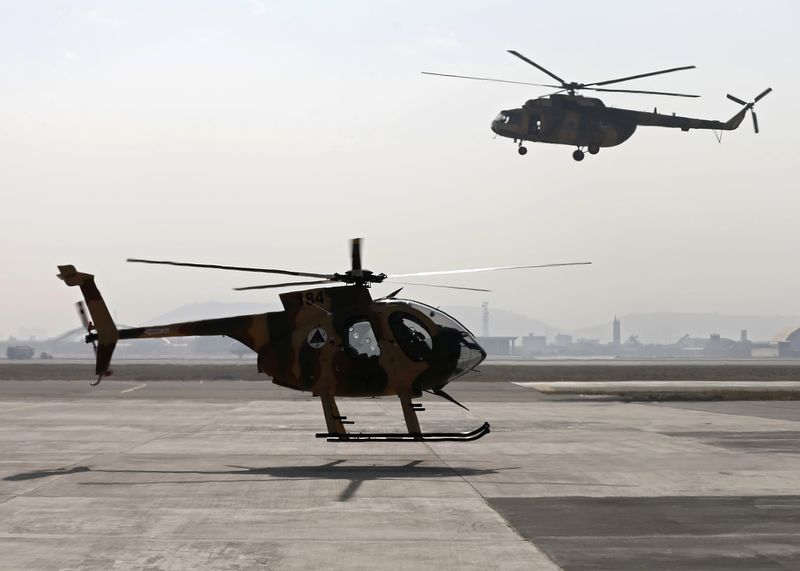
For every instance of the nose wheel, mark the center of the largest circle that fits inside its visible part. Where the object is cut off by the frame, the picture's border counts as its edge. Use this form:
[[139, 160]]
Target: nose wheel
[[522, 150]]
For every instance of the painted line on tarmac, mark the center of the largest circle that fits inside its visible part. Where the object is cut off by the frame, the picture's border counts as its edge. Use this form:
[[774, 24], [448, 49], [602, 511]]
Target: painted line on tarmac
[[134, 388]]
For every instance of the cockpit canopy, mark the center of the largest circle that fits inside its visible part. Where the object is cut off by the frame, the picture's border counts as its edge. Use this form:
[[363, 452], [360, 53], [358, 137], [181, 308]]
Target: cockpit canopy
[[509, 117], [417, 342]]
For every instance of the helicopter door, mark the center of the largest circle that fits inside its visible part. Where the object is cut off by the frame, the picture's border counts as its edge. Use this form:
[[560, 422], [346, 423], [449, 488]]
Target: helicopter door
[[534, 124], [411, 335], [361, 371]]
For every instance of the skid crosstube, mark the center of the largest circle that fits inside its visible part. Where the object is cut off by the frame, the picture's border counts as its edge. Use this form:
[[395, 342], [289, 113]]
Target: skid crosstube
[[479, 432]]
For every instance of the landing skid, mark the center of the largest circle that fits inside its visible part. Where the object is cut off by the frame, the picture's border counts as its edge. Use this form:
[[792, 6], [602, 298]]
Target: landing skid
[[338, 433], [479, 432]]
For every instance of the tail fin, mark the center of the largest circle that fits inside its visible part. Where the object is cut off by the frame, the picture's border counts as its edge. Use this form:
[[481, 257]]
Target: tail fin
[[734, 122], [106, 332]]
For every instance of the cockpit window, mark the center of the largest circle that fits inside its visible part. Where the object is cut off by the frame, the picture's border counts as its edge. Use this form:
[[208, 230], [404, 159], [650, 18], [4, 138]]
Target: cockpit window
[[441, 319], [411, 335], [361, 340], [438, 316]]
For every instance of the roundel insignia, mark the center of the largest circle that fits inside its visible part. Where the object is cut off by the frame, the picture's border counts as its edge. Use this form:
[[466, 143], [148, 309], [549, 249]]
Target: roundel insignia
[[317, 337]]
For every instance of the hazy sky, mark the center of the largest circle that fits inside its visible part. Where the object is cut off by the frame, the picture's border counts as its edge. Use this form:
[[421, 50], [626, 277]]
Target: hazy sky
[[266, 133]]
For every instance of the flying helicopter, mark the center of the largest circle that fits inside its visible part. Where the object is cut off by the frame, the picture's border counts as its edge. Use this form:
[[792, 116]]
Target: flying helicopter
[[331, 341], [566, 118]]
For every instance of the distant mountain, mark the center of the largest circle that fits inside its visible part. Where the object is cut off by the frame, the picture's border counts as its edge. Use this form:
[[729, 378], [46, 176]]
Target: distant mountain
[[648, 327], [211, 310], [502, 322], [669, 327]]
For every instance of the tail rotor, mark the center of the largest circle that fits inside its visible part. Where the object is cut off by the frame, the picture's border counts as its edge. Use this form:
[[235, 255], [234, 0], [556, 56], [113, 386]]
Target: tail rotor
[[91, 333], [749, 106]]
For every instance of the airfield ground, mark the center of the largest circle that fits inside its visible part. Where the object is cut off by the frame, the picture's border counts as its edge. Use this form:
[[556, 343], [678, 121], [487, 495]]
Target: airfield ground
[[226, 474]]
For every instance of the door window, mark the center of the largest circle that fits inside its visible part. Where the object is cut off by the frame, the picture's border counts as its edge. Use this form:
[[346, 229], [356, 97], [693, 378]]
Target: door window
[[411, 335], [361, 340]]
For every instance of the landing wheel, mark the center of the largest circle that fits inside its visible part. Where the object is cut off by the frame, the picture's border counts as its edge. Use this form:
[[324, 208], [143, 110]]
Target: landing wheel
[[578, 155], [522, 150], [593, 149]]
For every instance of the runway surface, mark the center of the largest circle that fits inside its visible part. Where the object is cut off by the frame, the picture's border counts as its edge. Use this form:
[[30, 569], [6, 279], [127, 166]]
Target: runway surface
[[228, 475]]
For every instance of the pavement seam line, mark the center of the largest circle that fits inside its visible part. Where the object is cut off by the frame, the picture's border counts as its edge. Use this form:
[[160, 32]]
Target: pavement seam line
[[22, 407], [486, 503], [57, 478], [700, 410], [89, 458], [133, 388], [189, 426], [172, 540]]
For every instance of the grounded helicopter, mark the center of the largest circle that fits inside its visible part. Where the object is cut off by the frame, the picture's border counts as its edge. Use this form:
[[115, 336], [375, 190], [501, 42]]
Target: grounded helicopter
[[333, 342], [565, 118]]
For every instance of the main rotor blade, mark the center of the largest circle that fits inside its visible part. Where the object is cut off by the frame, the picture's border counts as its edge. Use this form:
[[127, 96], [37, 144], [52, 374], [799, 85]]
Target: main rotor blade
[[355, 253], [640, 91], [287, 284], [755, 120], [762, 94], [487, 79], [473, 270], [736, 99], [234, 268], [443, 286], [630, 77], [537, 66]]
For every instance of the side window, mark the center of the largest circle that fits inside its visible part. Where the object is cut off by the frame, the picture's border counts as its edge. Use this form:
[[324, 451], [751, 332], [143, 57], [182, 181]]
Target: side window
[[535, 124], [411, 335], [361, 340]]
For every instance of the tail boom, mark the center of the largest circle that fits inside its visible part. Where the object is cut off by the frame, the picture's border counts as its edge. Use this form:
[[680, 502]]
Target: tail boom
[[250, 330], [254, 331]]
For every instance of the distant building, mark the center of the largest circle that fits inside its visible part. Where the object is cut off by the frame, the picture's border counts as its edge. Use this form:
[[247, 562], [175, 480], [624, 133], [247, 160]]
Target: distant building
[[617, 337], [19, 352], [498, 346], [562, 340], [534, 345], [718, 346], [788, 343]]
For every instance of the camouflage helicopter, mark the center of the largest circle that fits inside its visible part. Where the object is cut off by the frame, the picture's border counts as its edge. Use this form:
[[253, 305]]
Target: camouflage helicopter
[[330, 341], [565, 118]]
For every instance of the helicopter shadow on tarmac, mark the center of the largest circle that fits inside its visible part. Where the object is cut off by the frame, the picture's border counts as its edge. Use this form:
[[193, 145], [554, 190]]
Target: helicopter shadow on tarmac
[[333, 470]]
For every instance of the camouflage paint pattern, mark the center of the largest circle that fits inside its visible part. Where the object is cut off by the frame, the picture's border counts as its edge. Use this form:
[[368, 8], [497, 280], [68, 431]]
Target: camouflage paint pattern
[[309, 346]]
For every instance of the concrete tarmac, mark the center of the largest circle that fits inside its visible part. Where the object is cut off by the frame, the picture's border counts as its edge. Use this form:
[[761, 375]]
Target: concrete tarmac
[[228, 475]]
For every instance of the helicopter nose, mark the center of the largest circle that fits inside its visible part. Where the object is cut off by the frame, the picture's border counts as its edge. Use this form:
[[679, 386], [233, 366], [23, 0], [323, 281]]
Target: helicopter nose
[[470, 355]]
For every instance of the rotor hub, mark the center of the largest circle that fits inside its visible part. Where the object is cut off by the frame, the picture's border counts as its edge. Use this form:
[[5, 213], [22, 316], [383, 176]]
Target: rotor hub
[[360, 277]]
